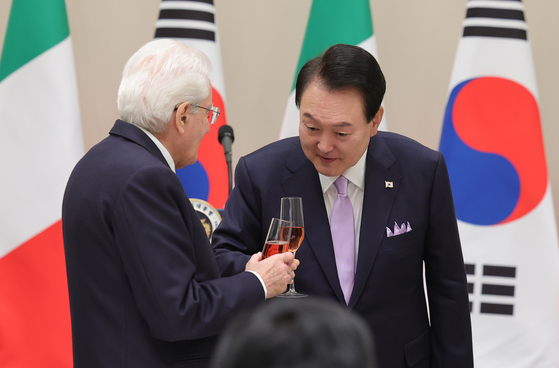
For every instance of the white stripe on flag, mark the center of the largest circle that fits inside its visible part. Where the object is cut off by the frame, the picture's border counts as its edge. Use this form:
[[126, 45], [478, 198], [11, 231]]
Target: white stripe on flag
[[189, 24], [500, 23], [188, 5], [516, 5], [40, 110]]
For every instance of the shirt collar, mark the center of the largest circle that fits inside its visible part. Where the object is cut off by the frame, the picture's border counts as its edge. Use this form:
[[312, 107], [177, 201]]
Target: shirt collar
[[355, 174], [162, 148]]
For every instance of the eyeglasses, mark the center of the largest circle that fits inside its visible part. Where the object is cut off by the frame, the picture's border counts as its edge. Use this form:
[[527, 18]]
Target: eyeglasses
[[213, 112]]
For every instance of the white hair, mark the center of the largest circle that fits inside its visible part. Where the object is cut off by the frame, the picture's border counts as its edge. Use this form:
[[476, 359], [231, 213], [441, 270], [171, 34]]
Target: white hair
[[159, 76]]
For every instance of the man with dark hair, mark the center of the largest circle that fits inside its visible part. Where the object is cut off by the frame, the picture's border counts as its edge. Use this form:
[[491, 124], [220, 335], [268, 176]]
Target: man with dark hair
[[378, 208], [338, 69], [303, 333]]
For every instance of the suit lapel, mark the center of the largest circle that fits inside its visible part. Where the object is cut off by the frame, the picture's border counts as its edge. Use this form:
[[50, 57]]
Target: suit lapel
[[377, 205], [305, 183]]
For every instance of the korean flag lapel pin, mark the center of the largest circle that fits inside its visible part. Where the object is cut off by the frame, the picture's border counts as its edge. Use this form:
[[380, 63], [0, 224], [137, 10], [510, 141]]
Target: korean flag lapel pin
[[388, 184]]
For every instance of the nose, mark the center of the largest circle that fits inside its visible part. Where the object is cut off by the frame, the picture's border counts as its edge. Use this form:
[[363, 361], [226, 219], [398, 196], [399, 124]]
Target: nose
[[325, 144]]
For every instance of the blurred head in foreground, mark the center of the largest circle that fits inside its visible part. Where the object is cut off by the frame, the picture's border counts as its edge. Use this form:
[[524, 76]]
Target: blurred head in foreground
[[296, 333]]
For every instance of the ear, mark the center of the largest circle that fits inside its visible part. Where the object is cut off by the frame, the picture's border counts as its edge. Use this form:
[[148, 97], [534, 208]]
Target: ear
[[181, 116], [376, 121]]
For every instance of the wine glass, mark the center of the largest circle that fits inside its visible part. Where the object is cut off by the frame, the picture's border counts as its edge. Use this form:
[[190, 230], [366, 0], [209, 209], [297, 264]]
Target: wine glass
[[277, 240], [292, 210]]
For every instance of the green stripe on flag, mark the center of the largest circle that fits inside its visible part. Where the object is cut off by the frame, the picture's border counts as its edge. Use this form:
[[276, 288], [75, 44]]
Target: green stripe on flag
[[332, 22], [34, 27]]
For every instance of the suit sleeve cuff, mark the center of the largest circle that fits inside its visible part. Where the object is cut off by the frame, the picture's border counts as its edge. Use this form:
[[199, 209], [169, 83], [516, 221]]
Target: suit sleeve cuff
[[262, 282]]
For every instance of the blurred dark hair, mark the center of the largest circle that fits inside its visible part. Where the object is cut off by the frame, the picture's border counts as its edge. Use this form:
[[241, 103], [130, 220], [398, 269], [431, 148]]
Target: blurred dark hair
[[296, 333], [344, 67]]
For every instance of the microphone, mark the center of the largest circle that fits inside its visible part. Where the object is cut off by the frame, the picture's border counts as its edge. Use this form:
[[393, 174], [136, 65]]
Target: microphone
[[225, 137]]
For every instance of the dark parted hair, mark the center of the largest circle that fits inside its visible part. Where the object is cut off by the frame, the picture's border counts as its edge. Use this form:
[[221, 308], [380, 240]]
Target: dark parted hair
[[344, 67], [296, 333]]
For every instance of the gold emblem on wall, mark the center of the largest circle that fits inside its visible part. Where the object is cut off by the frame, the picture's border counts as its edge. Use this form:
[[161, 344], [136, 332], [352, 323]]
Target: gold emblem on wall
[[208, 215]]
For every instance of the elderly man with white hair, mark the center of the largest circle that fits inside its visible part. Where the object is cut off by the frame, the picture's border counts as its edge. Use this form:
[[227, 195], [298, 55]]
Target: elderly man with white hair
[[144, 286]]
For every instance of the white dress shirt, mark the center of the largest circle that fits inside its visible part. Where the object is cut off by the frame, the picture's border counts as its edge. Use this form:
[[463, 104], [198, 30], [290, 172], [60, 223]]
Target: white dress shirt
[[355, 192], [162, 148]]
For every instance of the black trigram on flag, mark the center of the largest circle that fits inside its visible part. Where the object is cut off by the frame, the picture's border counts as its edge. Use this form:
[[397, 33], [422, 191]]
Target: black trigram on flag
[[495, 18], [497, 292], [194, 19]]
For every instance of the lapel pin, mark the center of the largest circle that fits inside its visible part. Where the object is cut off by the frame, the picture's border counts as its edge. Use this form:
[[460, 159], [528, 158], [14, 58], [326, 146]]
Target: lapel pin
[[388, 184]]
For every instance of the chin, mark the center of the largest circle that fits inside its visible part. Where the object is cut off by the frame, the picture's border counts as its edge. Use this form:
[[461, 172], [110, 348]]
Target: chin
[[185, 163], [327, 171]]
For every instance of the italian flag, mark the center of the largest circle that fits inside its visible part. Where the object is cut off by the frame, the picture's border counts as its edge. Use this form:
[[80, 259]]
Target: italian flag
[[331, 22], [41, 141]]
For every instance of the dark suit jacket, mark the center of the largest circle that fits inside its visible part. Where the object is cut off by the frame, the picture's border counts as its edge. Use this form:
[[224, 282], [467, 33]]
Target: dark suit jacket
[[145, 290], [389, 290]]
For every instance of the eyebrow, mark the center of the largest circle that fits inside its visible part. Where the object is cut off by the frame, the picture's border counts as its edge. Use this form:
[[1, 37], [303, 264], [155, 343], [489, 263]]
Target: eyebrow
[[338, 125], [343, 125]]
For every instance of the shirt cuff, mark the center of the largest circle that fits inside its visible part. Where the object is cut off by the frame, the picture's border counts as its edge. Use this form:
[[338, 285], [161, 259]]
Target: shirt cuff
[[262, 282]]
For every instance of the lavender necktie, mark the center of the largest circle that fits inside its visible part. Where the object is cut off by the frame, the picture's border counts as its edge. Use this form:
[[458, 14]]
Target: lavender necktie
[[342, 226]]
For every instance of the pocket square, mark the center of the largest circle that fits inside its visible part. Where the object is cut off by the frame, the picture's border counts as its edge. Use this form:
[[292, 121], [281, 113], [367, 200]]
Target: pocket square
[[398, 230]]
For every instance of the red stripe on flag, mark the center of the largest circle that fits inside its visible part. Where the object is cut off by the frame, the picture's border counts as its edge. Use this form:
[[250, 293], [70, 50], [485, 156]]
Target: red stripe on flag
[[35, 328]]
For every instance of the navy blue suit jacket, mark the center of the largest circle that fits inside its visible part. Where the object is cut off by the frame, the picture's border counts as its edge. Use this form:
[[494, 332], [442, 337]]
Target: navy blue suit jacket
[[145, 290], [389, 288]]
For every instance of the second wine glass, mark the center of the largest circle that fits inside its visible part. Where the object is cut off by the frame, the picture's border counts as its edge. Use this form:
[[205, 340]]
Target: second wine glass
[[292, 210], [277, 240]]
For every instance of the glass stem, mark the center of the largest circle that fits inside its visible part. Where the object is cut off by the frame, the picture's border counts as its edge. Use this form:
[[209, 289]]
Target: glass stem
[[292, 285], [292, 288]]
